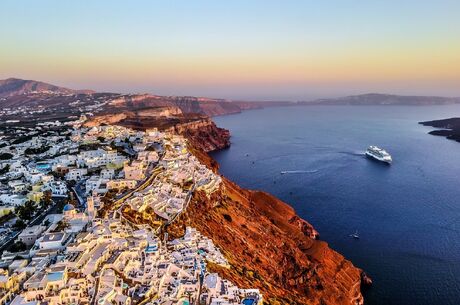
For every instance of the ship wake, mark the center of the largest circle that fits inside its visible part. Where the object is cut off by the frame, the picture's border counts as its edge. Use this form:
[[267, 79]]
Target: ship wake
[[300, 172]]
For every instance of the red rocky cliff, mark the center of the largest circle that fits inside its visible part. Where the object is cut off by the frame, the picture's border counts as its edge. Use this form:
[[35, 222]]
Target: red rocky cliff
[[269, 247]]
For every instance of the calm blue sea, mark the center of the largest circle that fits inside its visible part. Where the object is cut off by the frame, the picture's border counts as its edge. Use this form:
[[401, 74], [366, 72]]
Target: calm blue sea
[[407, 214]]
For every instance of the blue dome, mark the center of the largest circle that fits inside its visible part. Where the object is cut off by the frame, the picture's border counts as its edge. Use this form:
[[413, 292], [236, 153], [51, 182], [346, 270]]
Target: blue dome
[[68, 207]]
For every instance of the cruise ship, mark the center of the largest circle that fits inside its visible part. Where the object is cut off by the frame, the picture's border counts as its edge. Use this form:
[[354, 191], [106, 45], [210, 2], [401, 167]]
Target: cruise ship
[[378, 154]]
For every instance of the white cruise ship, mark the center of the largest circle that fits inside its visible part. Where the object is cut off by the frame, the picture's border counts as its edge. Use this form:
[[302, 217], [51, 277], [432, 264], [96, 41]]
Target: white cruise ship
[[378, 154]]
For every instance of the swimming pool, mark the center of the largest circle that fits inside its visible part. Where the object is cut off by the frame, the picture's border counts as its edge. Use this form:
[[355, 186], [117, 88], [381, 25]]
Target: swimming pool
[[249, 301]]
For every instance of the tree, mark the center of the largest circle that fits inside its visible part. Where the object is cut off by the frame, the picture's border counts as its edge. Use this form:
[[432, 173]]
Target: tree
[[37, 150], [58, 175], [18, 247], [61, 226], [5, 169], [46, 223], [46, 200], [19, 224], [6, 156], [26, 211]]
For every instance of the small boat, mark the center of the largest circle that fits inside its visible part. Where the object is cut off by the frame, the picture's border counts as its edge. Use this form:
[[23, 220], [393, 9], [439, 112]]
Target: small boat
[[355, 235]]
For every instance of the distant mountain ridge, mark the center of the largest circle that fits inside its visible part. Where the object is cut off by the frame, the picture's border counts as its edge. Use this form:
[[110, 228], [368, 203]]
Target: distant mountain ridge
[[18, 92], [24, 93], [385, 99], [15, 86]]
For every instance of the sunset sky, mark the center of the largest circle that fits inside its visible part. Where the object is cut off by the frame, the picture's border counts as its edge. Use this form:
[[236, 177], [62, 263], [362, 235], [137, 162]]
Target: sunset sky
[[289, 50]]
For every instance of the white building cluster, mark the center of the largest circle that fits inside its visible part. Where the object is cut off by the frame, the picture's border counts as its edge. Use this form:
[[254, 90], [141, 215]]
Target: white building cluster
[[182, 173], [81, 257]]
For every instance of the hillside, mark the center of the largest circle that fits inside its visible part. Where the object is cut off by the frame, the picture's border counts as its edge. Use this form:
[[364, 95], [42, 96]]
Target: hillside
[[189, 104], [29, 93], [14, 86], [199, 128]]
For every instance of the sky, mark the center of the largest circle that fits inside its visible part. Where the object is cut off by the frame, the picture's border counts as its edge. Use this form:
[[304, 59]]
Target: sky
[[239, 49]]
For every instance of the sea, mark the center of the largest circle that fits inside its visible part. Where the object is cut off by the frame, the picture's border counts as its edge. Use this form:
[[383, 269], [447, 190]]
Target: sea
[[407, 214]]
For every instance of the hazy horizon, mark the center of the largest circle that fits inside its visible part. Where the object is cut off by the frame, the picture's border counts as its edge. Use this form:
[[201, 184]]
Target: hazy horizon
[[263, 50]]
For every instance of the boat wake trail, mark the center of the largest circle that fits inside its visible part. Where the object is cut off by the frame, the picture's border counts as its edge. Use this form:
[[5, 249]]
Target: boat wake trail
[[353, 153], [300, 172]]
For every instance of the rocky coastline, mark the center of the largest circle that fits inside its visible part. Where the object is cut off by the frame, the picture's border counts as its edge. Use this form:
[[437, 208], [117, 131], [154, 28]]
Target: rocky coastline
[[448, 128], [269, 246]]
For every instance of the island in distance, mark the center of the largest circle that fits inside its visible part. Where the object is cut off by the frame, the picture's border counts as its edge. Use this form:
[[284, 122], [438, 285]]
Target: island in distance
[[449, 128], [385, 99]]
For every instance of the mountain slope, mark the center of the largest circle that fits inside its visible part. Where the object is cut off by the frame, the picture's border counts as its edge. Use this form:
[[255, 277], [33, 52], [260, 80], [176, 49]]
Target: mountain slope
[[16, 92], [190, 104], [187, 104], [14, 86]]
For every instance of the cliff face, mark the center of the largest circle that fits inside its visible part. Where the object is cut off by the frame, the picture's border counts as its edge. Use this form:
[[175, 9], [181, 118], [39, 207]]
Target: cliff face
[[198, 128], [149, 116], [187, 104], [269, 247], [204, 134]]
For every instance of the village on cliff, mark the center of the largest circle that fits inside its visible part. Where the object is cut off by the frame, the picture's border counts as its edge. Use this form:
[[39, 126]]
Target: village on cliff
[[72, 200]]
